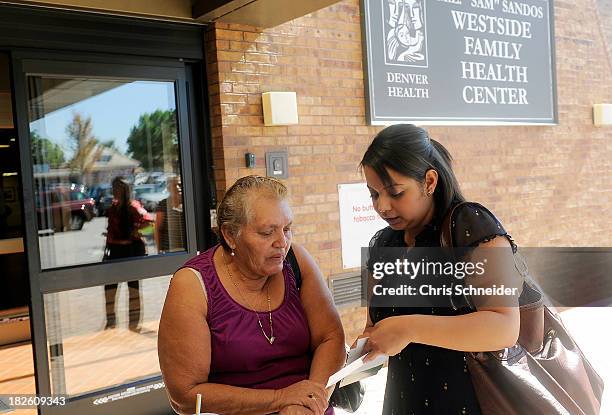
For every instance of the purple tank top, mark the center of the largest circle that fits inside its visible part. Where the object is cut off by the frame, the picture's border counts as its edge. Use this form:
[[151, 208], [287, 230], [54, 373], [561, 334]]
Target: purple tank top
[[240, 354]]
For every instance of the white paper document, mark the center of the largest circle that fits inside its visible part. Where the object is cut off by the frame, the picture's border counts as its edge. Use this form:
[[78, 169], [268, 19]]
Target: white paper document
[[356, 369]]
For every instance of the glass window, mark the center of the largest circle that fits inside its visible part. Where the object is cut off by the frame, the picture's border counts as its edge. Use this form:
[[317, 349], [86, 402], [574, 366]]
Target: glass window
[[107, 169], [104, 336]]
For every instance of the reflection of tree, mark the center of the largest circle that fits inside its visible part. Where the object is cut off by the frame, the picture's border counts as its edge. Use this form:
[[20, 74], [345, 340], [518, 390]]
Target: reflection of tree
[[110, 144], [85, 146], [154, 141], [46, 151]]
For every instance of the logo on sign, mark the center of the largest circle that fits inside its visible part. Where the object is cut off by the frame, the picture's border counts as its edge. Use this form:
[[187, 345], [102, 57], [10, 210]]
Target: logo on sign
[[404, 32]]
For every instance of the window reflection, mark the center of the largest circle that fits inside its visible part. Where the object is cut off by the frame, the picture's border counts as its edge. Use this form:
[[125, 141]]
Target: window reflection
[[84, 357], [170, 220], [87, 134], [126, 218]]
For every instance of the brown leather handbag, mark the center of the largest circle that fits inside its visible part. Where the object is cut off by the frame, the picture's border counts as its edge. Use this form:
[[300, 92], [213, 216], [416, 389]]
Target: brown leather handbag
[[545, 372]]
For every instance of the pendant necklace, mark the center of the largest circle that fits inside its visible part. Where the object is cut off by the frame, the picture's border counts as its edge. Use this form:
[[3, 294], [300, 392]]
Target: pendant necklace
[[270, 338]]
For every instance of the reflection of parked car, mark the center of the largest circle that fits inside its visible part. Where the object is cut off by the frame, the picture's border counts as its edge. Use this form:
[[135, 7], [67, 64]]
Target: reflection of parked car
[[151, 177], [105, 202], [62, 209], [103, 198], [149, 195]]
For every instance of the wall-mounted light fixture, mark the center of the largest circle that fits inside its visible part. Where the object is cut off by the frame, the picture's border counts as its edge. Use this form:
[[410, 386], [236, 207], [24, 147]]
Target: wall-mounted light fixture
[[249, 160], [602, 114], [279, 108]]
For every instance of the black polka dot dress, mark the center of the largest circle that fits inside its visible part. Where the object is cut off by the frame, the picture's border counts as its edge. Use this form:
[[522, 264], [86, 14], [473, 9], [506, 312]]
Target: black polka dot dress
[[424, 379]]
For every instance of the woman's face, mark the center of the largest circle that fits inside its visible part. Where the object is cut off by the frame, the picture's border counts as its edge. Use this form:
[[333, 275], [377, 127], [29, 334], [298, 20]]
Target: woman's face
[[264, 241], [403, 203]]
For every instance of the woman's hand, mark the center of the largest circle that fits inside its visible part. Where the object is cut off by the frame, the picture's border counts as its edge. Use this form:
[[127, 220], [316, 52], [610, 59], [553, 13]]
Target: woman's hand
[[305, 393], [366, 333], [295, 410], [389, 336]]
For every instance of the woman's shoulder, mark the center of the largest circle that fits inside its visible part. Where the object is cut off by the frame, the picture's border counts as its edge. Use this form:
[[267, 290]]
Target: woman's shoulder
[[472, 224], [136, 209], [203, 261], [303, 260], [200, 268], [187, 288]]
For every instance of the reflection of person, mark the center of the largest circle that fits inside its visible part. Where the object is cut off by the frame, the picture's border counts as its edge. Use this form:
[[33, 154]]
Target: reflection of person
[[170, 220], [413, 187], [123, 240], [235, 328]]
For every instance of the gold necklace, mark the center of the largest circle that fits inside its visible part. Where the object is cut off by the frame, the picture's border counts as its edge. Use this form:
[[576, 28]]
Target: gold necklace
[[270, 338]]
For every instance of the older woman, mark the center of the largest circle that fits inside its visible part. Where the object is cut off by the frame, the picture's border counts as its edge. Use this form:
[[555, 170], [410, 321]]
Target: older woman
[[236, 329]]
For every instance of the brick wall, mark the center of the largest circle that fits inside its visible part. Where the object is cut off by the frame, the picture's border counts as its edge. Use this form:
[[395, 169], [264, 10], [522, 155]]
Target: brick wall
[[551, 185], [605, 22]]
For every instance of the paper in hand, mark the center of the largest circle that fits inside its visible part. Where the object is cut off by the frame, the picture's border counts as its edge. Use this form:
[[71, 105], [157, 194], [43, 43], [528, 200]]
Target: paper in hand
[[356, 369]]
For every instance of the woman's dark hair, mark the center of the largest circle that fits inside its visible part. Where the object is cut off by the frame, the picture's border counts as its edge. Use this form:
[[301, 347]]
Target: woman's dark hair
[[408, 150], [126, 224]]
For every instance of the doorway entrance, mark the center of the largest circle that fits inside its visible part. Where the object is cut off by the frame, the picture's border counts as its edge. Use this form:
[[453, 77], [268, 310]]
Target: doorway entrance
[[101, 154], [16, 356]]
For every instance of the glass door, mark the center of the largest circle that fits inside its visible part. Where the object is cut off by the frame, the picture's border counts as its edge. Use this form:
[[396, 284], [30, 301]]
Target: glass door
[[109, 217]]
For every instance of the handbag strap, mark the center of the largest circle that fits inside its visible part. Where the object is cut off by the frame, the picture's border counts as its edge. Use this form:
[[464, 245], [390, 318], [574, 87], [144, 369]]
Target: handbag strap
[[295, 267], [446, 234]]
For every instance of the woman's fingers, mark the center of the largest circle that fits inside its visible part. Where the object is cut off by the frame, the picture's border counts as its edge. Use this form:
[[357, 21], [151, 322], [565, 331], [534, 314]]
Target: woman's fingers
[[316, 399], [369, 346], [306, 393], [321, 399], [371, 349], [315, 405], [366, 333], [296, 410], [372, 355]]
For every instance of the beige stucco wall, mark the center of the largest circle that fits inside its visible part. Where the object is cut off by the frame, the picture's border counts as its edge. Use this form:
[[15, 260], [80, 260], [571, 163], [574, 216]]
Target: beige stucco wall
[[174, 9]]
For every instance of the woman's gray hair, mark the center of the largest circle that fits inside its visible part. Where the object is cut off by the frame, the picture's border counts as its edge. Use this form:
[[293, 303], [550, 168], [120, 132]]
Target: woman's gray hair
[[235, 211]]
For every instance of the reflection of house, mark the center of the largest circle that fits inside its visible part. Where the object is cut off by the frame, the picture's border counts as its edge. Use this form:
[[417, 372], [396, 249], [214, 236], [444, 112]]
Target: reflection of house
[[108, 164], [51, 176]]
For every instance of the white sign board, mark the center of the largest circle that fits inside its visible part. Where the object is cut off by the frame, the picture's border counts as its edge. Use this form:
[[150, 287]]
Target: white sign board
[[358, 222]]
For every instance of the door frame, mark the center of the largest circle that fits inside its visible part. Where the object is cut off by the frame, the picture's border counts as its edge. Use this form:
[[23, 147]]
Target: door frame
[[27, 61]]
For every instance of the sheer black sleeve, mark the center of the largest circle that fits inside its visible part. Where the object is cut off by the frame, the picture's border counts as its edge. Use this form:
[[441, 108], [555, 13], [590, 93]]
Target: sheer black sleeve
[[473, 224]]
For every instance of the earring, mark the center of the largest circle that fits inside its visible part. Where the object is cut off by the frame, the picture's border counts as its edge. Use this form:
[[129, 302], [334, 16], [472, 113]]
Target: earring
[[232, 253]]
